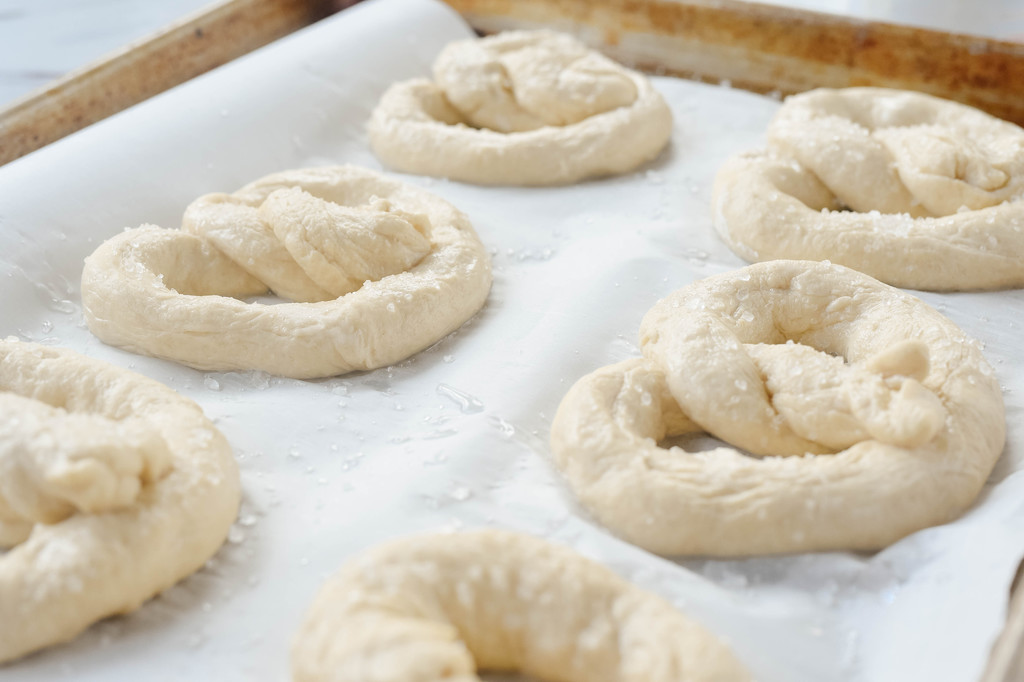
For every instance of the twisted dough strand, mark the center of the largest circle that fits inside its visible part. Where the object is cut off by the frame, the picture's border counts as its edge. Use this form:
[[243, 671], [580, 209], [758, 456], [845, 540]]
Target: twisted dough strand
[[53, 463], [521, 108], [442, 607], [525, 80], [379, 270], [107, 530], [902, 152], [914, 190], [305, 248], [873, 415]]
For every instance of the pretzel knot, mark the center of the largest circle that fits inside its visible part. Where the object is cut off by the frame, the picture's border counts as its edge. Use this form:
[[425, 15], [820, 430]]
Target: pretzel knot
[[914, 190], [521, 108], [112, 488], [865, 416], [441, 607], [376, 270]]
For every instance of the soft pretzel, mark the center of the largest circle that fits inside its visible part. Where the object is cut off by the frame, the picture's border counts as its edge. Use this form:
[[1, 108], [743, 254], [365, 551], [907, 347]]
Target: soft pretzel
[[377, 270], [521, 108], [441, 607], [914, 190], [870, 414], [112, 488]]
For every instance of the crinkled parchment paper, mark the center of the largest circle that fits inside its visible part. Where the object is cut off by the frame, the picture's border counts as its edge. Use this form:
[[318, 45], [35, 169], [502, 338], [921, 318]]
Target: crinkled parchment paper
[[456, 437]]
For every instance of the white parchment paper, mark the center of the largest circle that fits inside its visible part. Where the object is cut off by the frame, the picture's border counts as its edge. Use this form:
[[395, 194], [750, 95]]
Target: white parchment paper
[[456, 437]]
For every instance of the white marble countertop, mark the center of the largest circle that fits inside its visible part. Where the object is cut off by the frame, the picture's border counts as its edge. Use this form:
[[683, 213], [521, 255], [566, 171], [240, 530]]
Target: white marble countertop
[[43, 40], [1002, 19]]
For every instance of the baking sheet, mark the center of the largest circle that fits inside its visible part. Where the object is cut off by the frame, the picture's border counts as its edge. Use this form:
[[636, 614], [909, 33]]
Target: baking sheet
[[456, 437]]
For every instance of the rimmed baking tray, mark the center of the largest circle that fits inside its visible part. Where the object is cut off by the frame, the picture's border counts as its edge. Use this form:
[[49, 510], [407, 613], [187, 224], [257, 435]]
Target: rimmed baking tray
[[762, 48]]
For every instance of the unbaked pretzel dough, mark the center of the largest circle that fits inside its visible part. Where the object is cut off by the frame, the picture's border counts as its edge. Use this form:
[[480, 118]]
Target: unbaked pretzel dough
[[378, 270], [914, 190], [784, 359], [521, 108], [112, 488], [441, 607]]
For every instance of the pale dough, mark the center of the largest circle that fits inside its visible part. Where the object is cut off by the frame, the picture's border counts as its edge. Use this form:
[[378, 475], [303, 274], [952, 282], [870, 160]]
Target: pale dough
[[442, 607], [521, 108], [112, 488], [784, 359], [378, 270], [917, 191]]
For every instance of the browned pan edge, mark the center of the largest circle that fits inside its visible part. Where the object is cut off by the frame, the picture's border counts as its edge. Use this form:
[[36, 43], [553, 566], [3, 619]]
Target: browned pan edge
[[188, 48], [772, 49]]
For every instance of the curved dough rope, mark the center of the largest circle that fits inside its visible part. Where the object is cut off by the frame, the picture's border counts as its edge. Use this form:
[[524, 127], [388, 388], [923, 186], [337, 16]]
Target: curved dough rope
[[913, 190], [381, 270], [441, 607], [141, 498], [521, 108], [908, 427]]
